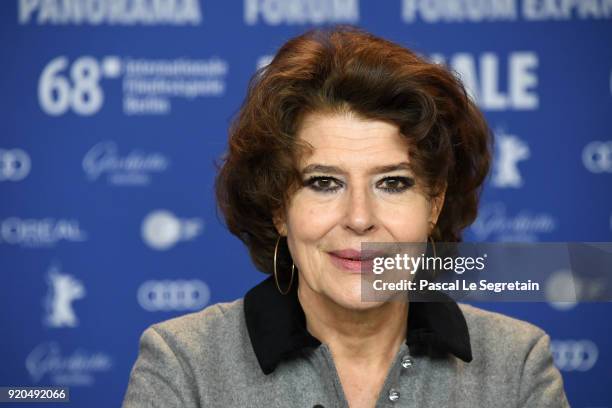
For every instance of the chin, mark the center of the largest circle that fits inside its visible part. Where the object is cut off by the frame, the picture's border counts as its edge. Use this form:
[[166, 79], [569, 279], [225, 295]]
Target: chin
[[350, 298]]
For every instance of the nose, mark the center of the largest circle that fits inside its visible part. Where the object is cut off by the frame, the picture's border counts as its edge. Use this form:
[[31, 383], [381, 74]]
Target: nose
[[360, 216]]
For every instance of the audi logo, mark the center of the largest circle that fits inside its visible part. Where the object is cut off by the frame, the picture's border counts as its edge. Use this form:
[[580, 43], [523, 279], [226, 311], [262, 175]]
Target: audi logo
[[167, 295], [574, 355], [597, 157], [14, 164]]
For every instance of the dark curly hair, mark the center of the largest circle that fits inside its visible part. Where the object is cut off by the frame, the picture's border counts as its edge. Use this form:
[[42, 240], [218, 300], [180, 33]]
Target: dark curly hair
[[345, 69]]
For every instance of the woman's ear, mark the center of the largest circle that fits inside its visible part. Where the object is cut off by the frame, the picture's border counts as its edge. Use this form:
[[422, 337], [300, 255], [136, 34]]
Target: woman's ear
[[279, 223], [437, 204]]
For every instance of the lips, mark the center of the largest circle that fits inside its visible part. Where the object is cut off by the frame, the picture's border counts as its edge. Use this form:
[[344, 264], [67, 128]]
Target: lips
[[353, 260]]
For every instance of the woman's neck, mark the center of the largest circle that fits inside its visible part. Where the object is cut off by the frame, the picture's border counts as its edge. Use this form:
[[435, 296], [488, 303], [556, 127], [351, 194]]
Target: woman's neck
[[370, 337]]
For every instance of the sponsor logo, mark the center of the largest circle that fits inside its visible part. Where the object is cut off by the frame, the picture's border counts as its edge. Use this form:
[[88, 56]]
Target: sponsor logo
[[565, 289], [482, 77], [297, 12], [461, 11], [47, 364], [64, 289], [15, 164], [562, 285], [162, 230], [597, 157], [510, 150], [167, 295], [149, 85], [493, 223], [44, 232], [133, 169], [111, 12], [574, 355]]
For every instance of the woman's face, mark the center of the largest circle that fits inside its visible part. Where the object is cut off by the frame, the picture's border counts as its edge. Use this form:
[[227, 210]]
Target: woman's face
[[357, 187]]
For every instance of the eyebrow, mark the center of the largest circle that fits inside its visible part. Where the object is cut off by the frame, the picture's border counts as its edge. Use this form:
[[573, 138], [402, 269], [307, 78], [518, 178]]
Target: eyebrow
[[322, 168]]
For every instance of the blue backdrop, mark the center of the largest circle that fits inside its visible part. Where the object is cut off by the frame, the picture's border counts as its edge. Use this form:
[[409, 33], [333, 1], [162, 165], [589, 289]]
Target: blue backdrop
[[113, 113]]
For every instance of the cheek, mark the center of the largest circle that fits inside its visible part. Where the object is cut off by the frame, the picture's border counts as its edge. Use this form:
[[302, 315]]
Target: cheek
[[307, 229], [310, 220], [408, 222]]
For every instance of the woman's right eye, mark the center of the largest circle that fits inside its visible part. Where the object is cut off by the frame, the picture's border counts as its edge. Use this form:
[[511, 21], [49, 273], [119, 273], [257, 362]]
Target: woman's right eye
[[323, 184]]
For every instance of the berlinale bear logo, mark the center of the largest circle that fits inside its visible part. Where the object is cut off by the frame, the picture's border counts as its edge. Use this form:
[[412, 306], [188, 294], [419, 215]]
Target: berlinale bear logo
[[511, 150], [64, 289]]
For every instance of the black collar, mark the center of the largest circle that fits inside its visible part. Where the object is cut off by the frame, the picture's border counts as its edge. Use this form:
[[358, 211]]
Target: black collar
[[277, 326]]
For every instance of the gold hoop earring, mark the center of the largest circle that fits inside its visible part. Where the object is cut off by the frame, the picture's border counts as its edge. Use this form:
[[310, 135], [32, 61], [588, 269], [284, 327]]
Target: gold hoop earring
[[276, 274]]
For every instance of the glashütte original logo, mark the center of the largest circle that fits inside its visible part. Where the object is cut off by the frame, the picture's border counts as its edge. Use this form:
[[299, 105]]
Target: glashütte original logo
[[135, 168], [493, 223], [46, 363]]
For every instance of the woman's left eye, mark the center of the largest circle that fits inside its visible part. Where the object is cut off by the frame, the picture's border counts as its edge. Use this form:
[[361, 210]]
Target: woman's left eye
[[323, 184], [395, 184]]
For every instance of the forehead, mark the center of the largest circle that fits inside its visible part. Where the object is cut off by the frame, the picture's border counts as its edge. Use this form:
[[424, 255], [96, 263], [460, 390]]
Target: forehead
[[348, 139]]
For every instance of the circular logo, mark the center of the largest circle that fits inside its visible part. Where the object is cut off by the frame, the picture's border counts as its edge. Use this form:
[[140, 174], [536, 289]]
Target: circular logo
[[574, 355], [563, 290], [14, 164], [168, 295], [161, 230], [597, 157]]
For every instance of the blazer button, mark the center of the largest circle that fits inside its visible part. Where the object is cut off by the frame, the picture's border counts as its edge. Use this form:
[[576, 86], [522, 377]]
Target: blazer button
[[406, 361], [394, 395]]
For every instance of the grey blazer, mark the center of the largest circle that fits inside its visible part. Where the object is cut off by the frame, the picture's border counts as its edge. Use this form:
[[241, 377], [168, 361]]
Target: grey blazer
[[256, 352]]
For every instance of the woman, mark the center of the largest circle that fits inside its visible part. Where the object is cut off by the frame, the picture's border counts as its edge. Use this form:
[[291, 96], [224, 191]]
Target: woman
[[345, 139]]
